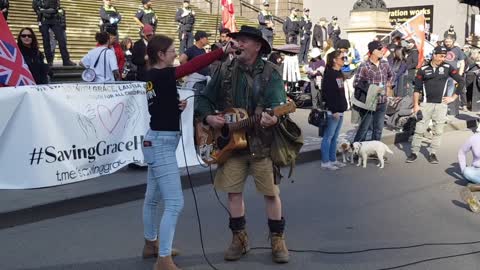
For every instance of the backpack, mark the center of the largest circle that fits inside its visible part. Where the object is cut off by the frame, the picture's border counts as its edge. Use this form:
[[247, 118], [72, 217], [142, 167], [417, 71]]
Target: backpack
[[286, 145]]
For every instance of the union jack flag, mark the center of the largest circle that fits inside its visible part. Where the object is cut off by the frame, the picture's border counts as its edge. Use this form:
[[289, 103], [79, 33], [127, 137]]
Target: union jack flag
[[414, 28], [13, 69]]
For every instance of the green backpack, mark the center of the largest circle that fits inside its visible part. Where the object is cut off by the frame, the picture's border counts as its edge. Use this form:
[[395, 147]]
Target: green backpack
[[286, 145]]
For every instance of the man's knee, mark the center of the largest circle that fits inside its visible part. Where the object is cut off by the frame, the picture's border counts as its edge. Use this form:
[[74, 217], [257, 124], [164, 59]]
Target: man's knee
[[235, 197]]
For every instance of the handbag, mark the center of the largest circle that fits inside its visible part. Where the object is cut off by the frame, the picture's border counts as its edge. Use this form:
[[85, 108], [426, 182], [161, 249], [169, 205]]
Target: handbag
[[89, 74], [317, 117]]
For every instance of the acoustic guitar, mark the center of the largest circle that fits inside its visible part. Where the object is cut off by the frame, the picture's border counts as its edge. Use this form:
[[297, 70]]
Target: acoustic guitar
[[216, 146]]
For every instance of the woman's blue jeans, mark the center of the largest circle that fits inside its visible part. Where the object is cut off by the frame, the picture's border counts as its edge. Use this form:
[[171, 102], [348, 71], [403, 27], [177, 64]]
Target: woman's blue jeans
[[163, 184], [330, 136], [472, 174]]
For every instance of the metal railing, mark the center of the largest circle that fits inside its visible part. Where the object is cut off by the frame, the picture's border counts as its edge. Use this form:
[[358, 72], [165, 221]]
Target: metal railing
[[210, 3], [244, 3]]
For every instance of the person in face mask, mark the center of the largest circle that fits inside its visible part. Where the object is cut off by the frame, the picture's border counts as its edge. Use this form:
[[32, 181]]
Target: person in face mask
[[412, 63]]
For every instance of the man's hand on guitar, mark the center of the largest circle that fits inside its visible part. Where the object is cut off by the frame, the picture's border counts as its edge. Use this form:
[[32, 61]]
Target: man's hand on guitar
[[215, 121], [268, 120]]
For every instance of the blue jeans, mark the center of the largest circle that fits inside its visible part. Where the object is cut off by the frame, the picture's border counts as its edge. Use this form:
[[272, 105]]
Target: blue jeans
[[375, 120], [329, 141], [472, 174], [163, 183]]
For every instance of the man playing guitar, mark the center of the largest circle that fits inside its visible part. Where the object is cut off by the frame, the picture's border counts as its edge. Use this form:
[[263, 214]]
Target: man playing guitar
[[241, 83]]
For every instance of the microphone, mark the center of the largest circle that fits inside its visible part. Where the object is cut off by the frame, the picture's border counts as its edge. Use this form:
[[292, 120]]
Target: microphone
[[237, 51]]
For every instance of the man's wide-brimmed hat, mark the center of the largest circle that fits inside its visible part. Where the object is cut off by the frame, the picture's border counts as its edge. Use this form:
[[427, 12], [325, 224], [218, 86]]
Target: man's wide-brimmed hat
[[254, 33]]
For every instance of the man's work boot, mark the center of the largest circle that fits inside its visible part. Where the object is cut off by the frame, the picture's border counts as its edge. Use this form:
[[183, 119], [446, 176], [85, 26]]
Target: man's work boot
[[279, 248], [165, 263], [150, 250], [238, 247]]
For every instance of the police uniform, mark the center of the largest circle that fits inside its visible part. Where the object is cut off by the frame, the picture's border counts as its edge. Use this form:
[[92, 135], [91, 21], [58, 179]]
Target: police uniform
[[49, 15], [264, 17], [186, 19], [291, 28], [147, 16], [432, 83], [109, 17], [305, 37]]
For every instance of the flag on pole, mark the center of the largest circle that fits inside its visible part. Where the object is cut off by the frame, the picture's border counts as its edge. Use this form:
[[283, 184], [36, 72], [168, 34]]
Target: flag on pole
[[414, 28], [13, 69], [228, 16]]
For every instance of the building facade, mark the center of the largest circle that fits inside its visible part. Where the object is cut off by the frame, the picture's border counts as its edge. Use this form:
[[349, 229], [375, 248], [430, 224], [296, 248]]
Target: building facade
[[445, 13]]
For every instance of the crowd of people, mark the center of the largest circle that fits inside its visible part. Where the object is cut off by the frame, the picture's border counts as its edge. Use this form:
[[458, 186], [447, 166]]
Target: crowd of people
[[234, 72]]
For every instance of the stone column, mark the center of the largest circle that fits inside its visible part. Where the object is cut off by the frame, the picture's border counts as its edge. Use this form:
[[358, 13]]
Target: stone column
[[366, 25]]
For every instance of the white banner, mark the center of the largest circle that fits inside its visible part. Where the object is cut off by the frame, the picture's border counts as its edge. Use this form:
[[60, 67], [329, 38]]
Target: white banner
[[58, 134]]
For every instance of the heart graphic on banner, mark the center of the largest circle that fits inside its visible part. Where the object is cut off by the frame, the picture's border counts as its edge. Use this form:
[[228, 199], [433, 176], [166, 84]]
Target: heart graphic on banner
[[110, 118]]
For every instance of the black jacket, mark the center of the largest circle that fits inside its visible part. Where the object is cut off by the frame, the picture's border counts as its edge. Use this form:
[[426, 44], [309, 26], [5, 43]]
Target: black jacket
[[412, 59], [291, 27], [318, 39], [333, 91], [186, 23], [432, 82], [138, 58], [35, 61]]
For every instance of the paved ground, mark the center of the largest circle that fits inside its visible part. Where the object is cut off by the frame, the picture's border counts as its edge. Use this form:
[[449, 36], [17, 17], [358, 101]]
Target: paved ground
[[352, 209]]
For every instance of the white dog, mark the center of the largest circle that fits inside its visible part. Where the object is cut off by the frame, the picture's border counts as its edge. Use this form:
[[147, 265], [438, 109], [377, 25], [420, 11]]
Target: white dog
[[344, 147], [364, 149]]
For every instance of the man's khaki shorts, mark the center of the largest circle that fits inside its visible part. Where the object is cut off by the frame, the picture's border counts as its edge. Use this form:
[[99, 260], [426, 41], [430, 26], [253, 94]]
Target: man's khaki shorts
[[231, 175]]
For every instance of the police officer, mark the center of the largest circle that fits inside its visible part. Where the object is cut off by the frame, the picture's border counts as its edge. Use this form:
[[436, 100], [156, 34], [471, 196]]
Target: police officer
[[431, 80], [291, 27], [4, 6], [334, 30], [266, 24], [49, 16], [186, 19], [109, 17], [305, 36], [146, 15]]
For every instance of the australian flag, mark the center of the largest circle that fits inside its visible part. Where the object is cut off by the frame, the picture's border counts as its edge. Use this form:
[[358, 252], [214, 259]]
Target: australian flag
[[13, 69]]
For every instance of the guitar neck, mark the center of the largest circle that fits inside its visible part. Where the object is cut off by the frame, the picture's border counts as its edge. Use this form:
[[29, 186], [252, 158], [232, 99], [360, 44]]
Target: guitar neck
[[249, 122]]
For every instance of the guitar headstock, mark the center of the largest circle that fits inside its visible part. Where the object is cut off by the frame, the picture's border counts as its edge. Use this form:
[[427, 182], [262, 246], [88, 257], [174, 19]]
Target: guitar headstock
[[283, 109]]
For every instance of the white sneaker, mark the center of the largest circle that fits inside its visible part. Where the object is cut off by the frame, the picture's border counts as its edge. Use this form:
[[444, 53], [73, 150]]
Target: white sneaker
[[339, 164], [328, 166]]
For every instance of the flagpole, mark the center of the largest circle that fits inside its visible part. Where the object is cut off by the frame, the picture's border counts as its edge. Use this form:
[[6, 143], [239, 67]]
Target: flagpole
[[407, 21], [217, 24]]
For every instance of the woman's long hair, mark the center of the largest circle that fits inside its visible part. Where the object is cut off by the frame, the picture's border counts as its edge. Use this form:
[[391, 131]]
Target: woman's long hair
[[34, 45], [159, 43], [124, 43], [331, 56]]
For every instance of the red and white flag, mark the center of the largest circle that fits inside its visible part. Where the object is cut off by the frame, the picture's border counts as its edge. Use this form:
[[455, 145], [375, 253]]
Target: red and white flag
[[414, 28], [228, 15], [13, 69]]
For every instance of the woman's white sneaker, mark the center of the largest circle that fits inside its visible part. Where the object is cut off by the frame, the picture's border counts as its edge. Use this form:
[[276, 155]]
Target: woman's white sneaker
[[328, 166], [339, 164]]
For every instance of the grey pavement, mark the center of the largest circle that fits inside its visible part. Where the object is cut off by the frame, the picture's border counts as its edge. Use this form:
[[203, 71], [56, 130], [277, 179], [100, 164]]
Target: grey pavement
[[348, 210], [25, 206]]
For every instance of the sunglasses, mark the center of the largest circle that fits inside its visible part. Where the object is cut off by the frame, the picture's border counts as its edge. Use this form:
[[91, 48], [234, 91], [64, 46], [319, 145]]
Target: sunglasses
[[25, 36]]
